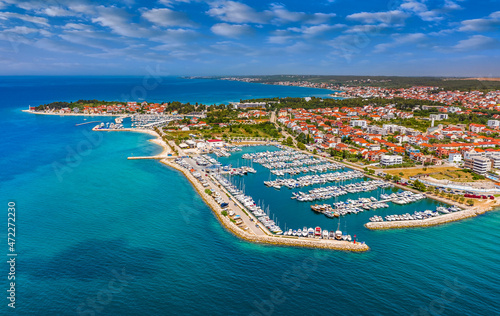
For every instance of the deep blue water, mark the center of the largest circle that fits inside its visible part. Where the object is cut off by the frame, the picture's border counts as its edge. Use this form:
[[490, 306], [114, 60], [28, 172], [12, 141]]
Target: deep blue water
[[98, 234]]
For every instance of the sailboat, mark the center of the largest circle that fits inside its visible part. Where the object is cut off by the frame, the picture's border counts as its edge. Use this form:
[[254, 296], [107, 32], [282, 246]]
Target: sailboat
[[338, 233]]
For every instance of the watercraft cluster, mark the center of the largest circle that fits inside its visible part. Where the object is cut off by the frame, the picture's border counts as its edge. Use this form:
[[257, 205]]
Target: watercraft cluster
[[249, 204], [308, 180], [335, 191], [290, 162], [441, 210], [351, 206], [108, 125], [318, 233]]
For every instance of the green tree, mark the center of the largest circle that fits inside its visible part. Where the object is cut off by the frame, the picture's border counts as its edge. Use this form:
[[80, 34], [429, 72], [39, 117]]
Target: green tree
[[419, 185]]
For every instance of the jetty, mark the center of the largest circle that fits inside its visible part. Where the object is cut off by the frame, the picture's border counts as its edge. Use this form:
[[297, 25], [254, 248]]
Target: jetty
[[250, 228], [84, 123], [432, 221], [158, 157]]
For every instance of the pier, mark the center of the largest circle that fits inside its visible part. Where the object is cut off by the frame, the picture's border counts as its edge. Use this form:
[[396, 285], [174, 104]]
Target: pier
[[158, 157], [253, 233], [79, 124], [433, 221]]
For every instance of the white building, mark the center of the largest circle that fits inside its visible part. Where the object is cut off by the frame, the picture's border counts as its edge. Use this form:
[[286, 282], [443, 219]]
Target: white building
[[373, 129], [390, 160], [358, 123], [495, 161], [481, 165], [493, 123], [439, 116], [247, 105], [455, 158]]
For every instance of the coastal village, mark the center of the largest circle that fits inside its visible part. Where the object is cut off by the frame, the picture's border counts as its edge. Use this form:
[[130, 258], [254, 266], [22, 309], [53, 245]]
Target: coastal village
[[426, 150]]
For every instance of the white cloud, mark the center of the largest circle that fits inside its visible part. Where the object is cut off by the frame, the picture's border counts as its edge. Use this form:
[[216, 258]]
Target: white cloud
[[54, 11], [476, 42], [231, 30], [283, 15], [177, 37], [451, 5], [167, 17], [77, 26], [399, 40], [495, 15], [236, 12], [170, 3], [21, 30], [279, 39], [394, 17], [315, 30], [27, 18], [118, 20], [366, 28], [489, 23], [421, 10]]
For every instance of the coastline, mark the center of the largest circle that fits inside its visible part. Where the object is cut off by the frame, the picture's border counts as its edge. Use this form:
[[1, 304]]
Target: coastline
[[267, 239], [158, 140], [72, 114]]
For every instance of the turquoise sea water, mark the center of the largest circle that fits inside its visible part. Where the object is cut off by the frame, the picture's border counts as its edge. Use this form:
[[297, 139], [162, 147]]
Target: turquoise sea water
[[98, 234]]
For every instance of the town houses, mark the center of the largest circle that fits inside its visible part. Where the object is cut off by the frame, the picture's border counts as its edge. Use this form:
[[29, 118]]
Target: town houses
[[361, 131]]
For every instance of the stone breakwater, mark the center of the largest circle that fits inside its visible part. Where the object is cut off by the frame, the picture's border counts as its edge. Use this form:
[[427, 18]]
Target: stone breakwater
[[442, 219], [270, 239]]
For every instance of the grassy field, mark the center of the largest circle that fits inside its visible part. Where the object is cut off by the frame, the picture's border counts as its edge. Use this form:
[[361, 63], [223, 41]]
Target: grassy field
[[245, 131], [456, 176], [416, 171]]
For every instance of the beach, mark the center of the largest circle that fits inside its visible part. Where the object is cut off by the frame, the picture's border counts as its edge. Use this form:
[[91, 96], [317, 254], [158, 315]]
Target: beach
[[158, 140]]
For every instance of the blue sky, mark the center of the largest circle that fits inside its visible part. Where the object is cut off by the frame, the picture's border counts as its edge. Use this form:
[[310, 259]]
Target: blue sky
[[190, 37]]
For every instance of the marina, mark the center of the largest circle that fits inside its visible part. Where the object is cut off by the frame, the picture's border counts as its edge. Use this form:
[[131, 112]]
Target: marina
[[240, 223], [284, 204]]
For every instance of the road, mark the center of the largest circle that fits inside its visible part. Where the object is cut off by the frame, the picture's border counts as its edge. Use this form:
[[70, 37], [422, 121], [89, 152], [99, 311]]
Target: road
[[248, 218], [285, 134]]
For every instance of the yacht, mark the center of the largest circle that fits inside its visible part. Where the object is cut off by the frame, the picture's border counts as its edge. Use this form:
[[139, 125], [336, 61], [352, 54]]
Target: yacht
[[310, 232], [317, 232], [304, 232]]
